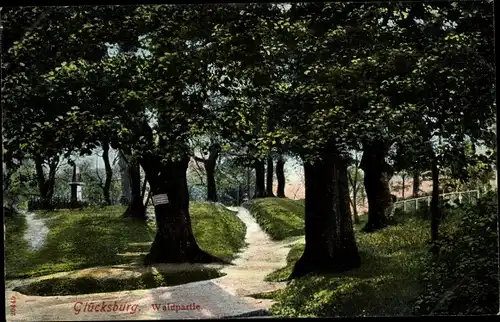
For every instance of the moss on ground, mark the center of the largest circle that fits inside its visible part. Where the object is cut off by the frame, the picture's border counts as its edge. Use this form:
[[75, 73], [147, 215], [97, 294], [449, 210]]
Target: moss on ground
[[101, 236], [281, 218]]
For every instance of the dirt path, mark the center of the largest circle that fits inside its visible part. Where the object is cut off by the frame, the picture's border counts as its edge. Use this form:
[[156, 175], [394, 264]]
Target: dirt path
[[226, 296], [261, 257], [36, 232]]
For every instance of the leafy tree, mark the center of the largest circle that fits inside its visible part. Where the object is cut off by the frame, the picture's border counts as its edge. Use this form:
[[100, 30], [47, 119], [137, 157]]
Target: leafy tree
[[355, 178]]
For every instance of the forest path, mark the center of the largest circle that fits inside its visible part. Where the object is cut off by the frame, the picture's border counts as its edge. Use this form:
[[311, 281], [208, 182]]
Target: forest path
[[226, 296], [36, 231]]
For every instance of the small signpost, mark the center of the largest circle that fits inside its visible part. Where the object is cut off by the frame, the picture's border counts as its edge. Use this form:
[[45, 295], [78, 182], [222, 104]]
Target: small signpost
[[160, 199]]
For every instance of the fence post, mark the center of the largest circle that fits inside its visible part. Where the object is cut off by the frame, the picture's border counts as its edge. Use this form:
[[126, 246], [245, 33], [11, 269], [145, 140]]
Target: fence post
[[404, 205], [416, 204]]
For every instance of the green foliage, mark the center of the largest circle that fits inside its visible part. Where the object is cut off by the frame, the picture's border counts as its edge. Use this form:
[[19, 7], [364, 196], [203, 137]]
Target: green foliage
[[19, 184], [89, 285], [279, 217], [463, 279]]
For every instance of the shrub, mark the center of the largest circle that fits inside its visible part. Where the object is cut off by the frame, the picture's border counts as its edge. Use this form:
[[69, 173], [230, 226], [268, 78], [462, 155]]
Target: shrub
[[463, 278]]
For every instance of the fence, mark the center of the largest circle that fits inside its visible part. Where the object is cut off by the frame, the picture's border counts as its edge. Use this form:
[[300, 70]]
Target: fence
[[64, 202], [415, 203]]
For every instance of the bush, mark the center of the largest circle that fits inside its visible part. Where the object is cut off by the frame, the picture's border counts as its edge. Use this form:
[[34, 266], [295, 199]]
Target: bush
[[463, 278]]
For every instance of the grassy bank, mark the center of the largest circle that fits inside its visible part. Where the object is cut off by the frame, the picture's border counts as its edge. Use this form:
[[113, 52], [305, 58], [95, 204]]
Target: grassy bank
[[100, 236], [398, 275], [281, 218], [87, 285]]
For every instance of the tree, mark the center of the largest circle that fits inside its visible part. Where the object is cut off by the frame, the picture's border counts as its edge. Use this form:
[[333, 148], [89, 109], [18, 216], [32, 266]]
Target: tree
[[135, 208], [280, 176], [209, 163], [448, 70], [355, 177]]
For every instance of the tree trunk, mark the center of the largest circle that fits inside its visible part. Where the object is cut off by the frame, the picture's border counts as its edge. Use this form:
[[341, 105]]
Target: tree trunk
[[210, 170], [45, 186], [143, 190], [260, 173], [434, 209], [136, 208], [125, 179], [354, 186], [376, 181], [270, 175], [355, 207], [74, 187], [416, 184], [280, 175], [109, 173], [403, 177], [211, 185], [249, 192], [174, 241], [330, 243]]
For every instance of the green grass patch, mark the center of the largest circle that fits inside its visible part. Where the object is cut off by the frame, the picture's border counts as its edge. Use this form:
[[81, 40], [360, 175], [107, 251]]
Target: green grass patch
[[399, 276], [387, 283], [281, 218], [101, 236], [16, 248], [88, 285], [217, 229]]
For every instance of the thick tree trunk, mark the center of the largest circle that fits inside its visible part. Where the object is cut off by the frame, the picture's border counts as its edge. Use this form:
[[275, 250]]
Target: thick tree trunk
[[330, 243], [434, 209], [136, 208], [174, 241], [270, 177], [280, 175], [260, 173], [416, 184], [109, 173], [376, 181]]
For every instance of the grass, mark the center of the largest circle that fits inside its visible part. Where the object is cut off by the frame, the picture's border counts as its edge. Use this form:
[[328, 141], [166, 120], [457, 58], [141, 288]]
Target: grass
[[387, 283], [217, 229], [281, 218], [87, 285], [100, 236]]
